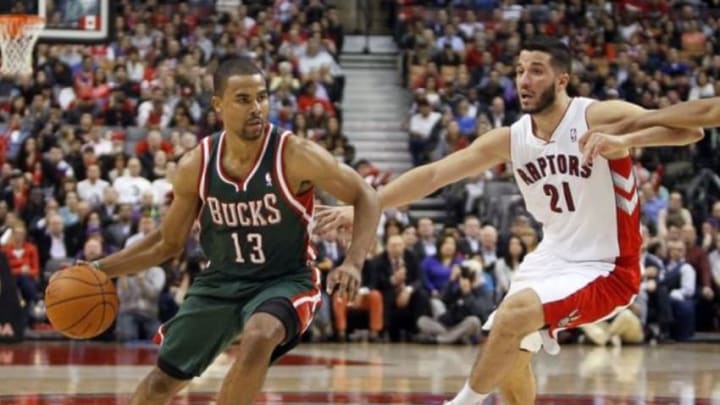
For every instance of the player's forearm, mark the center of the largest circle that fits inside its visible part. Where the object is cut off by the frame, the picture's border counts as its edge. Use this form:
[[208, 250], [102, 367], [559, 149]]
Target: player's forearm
[[148, 252], [411, 186], [691, 114], [367, 209], [663, 136]]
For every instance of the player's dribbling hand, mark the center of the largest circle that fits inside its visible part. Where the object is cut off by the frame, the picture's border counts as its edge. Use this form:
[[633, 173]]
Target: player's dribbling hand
[[594, 143], [327, 218], [344, 281]]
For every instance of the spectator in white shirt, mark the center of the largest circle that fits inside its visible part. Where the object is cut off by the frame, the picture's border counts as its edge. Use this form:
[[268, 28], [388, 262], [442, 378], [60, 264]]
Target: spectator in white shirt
[[100, 141], [163, 186], [145, 225], [702, 88], [315, 57], [293, 46], [488, 244], [141, 40], [91, 189], [471, 25], [131, 187], [155, 112], [421, 126], [680, 278], [138, 316]]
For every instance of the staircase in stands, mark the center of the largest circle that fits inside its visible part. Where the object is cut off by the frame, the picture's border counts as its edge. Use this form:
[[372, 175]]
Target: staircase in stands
[[375, 106]]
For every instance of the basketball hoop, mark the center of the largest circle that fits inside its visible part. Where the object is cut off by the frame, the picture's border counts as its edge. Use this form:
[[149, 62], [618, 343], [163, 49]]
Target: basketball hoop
[[18, 34]]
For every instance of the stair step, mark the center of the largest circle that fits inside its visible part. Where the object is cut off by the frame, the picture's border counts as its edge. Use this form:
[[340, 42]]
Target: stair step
[[368, 85], [380, 98], [379, 45], [399, 146], [380, 63], [387, 155], [397, 134], [361, 76], [373, 56], [364, 110], [377, 137], [358, 72], [394, 167], [430, 202], [353, 126], [378, 116], [436, 216]]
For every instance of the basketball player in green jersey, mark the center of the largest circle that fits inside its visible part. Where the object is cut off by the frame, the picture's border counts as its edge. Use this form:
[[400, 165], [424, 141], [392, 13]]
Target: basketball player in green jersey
[[251, 189]]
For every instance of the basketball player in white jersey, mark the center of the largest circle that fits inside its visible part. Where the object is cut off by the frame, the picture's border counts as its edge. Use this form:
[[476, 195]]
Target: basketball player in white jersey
[[588, 264], [690, 114]]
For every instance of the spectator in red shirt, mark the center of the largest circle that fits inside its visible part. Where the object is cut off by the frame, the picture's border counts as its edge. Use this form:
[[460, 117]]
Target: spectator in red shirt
[[24, 262]]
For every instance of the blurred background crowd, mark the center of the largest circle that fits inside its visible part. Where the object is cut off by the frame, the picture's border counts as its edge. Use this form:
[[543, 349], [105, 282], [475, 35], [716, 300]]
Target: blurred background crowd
[[89, 145]]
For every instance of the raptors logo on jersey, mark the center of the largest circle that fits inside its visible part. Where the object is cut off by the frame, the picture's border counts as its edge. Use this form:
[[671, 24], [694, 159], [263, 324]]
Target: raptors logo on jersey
[[588, 213]]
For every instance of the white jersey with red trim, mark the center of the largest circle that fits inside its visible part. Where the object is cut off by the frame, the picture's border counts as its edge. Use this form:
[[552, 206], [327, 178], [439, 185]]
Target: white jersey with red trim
[[588, 213]]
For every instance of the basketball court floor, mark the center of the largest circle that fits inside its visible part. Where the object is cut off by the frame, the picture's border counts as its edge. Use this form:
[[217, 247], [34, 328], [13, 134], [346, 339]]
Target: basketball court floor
[[79, 373]]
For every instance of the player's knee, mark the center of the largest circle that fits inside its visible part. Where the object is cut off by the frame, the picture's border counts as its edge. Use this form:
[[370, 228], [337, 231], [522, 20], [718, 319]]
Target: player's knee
[[263, 330], [519, 314]]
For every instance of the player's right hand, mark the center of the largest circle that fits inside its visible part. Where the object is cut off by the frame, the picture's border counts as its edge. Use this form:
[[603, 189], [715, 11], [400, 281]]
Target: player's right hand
[[616, 128], [327, 218]]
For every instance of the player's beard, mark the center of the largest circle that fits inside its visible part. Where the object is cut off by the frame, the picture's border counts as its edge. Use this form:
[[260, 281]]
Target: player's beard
[[251, 135], [547, 99]]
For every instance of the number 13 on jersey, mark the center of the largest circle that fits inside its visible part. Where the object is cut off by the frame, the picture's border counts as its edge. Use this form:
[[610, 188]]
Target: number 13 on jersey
[[254, 240]]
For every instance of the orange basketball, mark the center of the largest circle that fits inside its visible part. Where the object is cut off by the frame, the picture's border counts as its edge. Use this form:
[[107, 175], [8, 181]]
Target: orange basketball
[[81, 302]]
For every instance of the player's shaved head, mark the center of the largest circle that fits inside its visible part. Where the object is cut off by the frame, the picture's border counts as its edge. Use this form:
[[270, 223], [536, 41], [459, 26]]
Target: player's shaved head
[[232, 67]]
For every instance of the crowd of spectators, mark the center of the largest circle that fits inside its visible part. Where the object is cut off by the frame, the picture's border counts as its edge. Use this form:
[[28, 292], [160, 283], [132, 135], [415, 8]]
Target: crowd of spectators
[[458, 61], [89, 141]]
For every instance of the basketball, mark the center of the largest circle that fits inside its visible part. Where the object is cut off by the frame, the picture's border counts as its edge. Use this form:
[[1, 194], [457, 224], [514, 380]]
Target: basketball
[[81, 302]]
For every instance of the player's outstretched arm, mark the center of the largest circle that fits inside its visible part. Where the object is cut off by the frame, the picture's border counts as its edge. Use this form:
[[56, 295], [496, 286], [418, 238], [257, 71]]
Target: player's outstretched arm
[[609, 137], [169, 239], [490, 149], [307, 161], [690, 114]]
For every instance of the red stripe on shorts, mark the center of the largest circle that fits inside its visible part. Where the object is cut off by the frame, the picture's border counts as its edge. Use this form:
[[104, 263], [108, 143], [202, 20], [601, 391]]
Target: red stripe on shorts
[[597, 300]]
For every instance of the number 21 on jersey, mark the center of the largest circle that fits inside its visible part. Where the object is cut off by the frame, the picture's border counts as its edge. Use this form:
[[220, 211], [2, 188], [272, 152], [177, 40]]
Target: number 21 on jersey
[[254, 240], [555, 197]]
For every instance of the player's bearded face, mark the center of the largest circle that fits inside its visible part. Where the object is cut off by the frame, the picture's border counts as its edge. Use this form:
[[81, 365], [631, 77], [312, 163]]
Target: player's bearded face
[[544, 101], [244, 106], [255, 119]]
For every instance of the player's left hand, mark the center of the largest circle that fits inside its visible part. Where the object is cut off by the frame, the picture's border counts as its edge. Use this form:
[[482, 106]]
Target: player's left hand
[[344, 281], [595, 142], [328, 218]]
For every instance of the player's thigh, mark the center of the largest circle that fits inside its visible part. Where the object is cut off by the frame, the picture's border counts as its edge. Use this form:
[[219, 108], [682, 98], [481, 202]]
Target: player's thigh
[[588, 294], [192, 339], [576, 293]]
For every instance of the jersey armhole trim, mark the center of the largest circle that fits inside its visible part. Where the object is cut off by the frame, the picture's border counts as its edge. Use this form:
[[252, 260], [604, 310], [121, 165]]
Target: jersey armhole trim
[[204, 157], [279, 174], [590, 102]]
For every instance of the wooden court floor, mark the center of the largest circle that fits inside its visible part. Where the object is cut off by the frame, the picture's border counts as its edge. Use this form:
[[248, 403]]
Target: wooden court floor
[[63, 373]]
